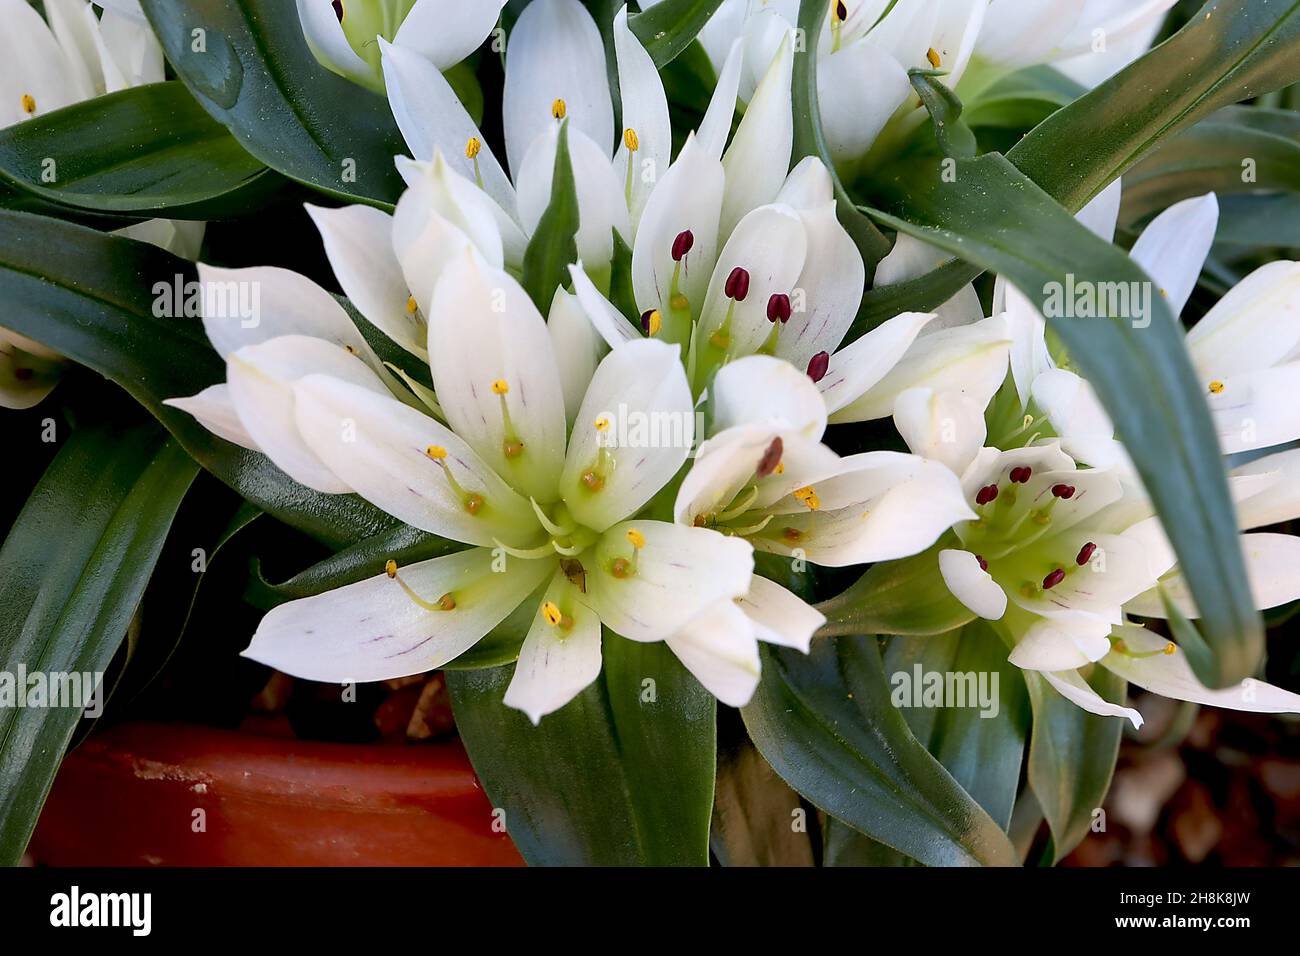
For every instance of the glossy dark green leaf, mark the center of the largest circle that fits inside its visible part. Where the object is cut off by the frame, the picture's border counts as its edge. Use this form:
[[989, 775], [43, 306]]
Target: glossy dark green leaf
[[1072, 756], [809, 140], [669, 27], [1247, 222], [250, 68], [1243, 48], [156, 153], [621, 776], [553, 245], [980, 746], [897, 597], [92, 298], [72, 571], [1023, 100], [1216, 156], [994, 217], [826, 724]]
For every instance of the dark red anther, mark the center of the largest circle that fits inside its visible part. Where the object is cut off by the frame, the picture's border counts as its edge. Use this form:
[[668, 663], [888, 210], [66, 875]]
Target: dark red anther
[[771, 458], [984, 565], [1022, 474], [841, 11], [1063, 491], [778, 308], [683, 244], [1053, 579], [645, 320], [338, 9], [1085, 554], [818, 365], [737, 286], [24, 374], [986, 494]]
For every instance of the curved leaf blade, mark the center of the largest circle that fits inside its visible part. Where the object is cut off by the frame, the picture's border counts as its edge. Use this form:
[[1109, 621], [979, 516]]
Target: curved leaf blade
[[250, 68], [826, 725], [669, 27], [157, 153]]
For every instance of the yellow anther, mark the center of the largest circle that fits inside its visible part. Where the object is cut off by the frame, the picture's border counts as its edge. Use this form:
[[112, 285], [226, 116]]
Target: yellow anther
[[436, 452], [559, 109], [28, 103], [390, 568], [1170, 647], [602, 423], [411, 305], [351, 350], [1216, 387], [631, 140], [654, 322], [635, 538], [473, 147], [500, 387], [809, 497], [933, 56], [551, 611], [780, 468]]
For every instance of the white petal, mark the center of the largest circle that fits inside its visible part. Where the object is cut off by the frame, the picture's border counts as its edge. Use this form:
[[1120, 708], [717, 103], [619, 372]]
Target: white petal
[[1174, 247], [578, 349], [910, 259], [129, 53], [372, 630], [779, 616], [74, 26], [770, 244], [645, 110], [971, 585], [1272, 567], [1169, 675], [762, 390], [859, 87], [447, 31], [679, 574], [1119, 570], [943, 426], [758, 159], [359, 244], [1029, 355], [556, 662], [1257, 409], [1076, 414], [261, 387], [1024, 32], [329, 44], [31, 64], [640, 391], [1062, 643], [602, 207], [688, 198], [215, 411], [716, 125], [1113, 19], [1076, 690], [248, 306], [555, 53], [970, 359], [719, 648], [484, 328], [860, 365], [1254, 326], [828, 291], [883, 506], [1101, 213], [430, 116], [378, 446], [609, 323], [1279, 499]]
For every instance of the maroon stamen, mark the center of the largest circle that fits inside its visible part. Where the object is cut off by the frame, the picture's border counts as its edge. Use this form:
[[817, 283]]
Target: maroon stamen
[[683, 244], [841, 11], [1053, 579], [984, 565], [737, 286], [338, 9], [986, 494], [771, 458], [778, 308], [818, 365], [1022, 474], [1063, 491], [645, 320], [1085, 554]]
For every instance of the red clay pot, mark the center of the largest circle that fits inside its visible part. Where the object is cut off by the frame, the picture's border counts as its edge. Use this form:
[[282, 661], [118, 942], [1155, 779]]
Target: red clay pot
[[129, 796]]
